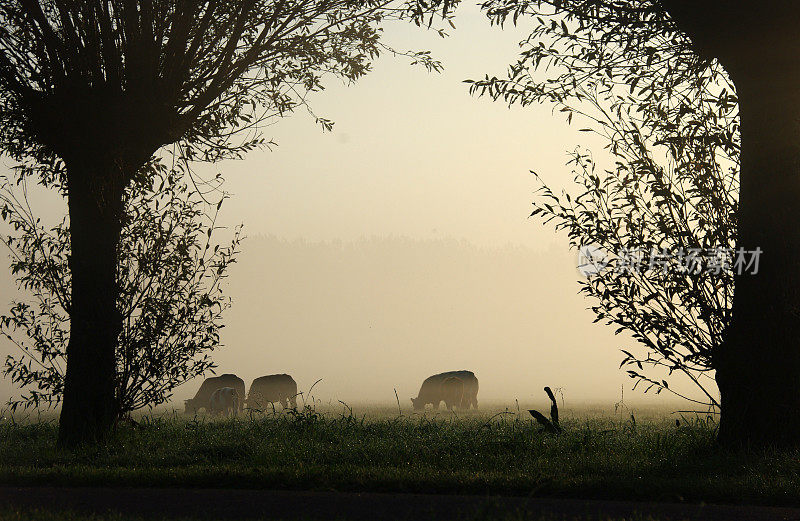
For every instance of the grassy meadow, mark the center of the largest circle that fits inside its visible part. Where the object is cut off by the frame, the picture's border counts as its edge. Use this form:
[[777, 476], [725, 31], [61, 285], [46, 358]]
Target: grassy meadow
[[599, 455]]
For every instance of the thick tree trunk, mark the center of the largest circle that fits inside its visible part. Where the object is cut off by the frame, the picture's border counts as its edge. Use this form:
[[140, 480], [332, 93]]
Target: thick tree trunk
[[95, 190], [758, 366]]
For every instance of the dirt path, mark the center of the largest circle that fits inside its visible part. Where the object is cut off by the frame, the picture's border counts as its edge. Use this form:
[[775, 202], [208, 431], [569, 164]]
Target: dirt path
[[317, 505]]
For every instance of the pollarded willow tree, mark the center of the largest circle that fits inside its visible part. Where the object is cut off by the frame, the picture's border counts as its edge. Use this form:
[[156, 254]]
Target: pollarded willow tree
[[103, 85], [170, 271], [757, 363]]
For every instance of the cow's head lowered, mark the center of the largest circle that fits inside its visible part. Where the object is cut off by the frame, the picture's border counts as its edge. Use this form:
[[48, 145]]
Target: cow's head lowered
[[418, 404], [190, 406]]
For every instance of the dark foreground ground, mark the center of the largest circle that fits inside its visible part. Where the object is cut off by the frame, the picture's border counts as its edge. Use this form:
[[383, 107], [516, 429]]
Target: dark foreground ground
[[317, 505], [308, 464]]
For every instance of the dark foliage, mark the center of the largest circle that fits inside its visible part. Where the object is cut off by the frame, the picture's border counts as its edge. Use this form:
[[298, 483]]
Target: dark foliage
[[170, 272], [105, 87], [197, 73], [664, 191]]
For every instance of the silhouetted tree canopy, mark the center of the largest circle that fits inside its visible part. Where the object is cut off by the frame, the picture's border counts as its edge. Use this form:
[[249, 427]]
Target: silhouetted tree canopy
[[656, 58], [196, 73], [170, 272], [91, 91], [667, 183]]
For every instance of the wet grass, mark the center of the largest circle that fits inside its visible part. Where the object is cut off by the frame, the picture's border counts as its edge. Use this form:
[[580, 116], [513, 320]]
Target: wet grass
[[595, 457]]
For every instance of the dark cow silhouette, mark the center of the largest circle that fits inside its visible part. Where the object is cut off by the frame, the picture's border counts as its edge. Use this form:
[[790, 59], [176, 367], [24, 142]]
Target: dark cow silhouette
[[433, 393], [202, 400], [272, 388], [225, 401], [452, 392]]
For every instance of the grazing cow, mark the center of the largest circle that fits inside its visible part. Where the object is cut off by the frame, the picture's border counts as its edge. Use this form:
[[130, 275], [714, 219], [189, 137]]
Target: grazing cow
[[225, 401], [452, 392], [202, 400], [270, 389], [432, 392]]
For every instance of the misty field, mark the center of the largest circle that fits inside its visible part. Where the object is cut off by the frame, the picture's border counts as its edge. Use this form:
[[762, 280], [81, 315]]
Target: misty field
[[503, 453]]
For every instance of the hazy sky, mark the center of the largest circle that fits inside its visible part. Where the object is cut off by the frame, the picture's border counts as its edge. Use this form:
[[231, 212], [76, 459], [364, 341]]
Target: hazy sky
[[411, 152], [399, 244]]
